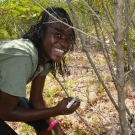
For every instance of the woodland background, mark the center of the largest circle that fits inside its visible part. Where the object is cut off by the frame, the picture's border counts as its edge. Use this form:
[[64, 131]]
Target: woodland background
[[101, 67]]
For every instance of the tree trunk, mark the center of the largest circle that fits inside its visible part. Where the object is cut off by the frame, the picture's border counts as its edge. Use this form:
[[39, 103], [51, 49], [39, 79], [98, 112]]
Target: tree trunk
[[118, 36], [127, 34]]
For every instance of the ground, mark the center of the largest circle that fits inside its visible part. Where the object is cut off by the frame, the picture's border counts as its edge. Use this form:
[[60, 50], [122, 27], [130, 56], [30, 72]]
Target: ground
[[96, 109]]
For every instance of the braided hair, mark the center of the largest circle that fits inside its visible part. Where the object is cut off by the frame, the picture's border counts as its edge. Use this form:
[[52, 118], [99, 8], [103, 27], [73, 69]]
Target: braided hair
[[34, 35]]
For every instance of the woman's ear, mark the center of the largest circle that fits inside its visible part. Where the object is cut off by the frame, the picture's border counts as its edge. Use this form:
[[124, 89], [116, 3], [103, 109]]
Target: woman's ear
[[40, 33]]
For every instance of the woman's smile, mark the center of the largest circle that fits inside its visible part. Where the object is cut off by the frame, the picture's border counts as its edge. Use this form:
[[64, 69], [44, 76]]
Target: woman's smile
[[59, 51]]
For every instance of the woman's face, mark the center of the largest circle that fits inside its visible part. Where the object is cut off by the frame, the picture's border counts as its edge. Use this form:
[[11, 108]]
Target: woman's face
[[56, 41]]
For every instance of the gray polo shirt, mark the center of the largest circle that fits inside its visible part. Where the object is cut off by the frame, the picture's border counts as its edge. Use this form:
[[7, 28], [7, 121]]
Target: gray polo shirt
[[18, 66]]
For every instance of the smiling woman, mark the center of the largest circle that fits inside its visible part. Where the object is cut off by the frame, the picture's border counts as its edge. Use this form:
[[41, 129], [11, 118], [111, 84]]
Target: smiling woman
[[56, 29], [30, 59], [55, 43]]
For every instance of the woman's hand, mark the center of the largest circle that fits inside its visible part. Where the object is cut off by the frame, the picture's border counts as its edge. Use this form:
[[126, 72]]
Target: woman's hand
[[63, 110], [58, 131]]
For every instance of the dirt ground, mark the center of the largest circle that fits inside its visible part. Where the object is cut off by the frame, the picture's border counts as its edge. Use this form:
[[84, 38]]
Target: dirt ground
[[96, 109]]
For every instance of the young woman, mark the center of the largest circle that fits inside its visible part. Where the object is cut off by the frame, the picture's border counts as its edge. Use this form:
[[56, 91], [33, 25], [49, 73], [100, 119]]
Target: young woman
[[30, 58]]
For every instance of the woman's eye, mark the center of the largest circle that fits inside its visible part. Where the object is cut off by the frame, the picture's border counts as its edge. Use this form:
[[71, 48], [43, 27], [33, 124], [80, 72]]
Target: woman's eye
[[58, 35]]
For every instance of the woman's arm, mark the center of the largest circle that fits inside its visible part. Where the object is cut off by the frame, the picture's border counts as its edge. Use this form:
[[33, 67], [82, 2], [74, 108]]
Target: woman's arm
[[36, 92], [9, 110], [36, 97]]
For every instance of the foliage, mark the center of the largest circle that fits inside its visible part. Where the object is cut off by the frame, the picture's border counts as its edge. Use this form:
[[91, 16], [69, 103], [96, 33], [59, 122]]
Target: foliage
[[16, 17]]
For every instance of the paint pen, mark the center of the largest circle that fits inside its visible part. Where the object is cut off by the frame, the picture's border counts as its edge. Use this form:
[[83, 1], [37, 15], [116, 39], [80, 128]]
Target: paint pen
[[71, 102]]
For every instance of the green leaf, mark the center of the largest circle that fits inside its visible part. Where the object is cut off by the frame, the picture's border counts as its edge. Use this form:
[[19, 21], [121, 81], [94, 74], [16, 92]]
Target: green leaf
[[15, 12], [4, 34], [22, 9], [36, 8]]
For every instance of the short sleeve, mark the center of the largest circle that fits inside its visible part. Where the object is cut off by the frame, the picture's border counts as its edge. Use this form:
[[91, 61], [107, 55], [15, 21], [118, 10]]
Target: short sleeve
[[47, 69], [14, 73]]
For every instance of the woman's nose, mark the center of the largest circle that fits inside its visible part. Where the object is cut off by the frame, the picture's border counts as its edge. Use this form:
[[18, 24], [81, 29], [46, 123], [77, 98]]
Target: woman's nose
[[63, 42]]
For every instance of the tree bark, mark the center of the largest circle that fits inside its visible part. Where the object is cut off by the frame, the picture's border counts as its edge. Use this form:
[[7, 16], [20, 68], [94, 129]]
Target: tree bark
[[118, 36], [127, 34]]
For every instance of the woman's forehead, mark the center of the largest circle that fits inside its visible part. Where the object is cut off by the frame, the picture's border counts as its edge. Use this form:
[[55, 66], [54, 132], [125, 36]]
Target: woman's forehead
[[60, 27]]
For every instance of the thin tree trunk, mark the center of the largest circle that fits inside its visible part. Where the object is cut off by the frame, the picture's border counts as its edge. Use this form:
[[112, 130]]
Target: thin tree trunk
[[118, 36], [127, 34]]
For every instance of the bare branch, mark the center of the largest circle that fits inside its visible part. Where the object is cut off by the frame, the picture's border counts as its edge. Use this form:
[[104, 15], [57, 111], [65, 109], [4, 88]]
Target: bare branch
[[6, 22], [127, 35], [109, 16], [18, 26], [104, 25], [89, 127], [69, 25], [90, 60], [131, 19]]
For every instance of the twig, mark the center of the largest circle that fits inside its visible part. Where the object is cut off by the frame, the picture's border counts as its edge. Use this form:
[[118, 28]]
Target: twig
[[131, 19], [8, 24], [91, 61], [95, 69], [112, 123], [109, 16], [127, 34], [89, 127], [104, 25]]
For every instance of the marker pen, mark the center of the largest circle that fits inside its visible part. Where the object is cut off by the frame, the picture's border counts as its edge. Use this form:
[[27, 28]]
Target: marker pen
[[71, 102]]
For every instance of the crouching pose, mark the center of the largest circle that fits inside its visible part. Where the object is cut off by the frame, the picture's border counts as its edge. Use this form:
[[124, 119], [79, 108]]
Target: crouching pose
[[30, 59]]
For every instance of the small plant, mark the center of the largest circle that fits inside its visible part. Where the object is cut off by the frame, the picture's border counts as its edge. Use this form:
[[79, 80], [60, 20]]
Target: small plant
[[27, 129], [100, 89], [87, 94], [70, 83]]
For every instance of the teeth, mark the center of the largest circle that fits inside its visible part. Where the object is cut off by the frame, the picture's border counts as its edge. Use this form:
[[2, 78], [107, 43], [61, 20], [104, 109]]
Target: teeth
[[60, 51]]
